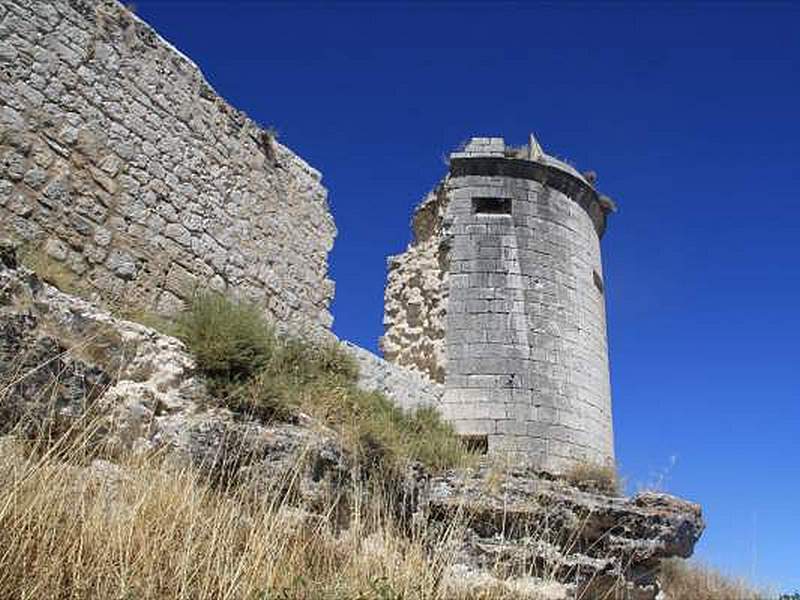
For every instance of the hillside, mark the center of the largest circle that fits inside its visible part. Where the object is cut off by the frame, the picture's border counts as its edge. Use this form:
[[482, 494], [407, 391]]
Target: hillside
[[131, 468]]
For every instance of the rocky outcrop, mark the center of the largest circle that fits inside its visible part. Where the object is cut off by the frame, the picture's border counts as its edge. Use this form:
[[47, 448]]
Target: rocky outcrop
[[63, 359], [519, 524], [522, 532]]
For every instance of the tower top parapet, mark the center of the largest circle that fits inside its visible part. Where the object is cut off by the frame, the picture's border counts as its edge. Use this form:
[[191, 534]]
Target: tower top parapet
[[495, 147], [490, 156]]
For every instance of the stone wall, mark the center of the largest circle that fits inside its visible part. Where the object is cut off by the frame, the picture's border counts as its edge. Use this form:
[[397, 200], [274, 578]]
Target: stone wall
[[416, 294], [407, 388], [520, 305], [120, 163]]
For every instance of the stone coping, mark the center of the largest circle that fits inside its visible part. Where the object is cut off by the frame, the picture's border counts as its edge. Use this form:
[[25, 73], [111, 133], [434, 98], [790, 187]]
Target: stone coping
[[575, 187]]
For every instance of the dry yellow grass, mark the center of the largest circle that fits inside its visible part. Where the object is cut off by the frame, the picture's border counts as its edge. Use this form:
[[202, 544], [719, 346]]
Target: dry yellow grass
[[684, 580], [73, 526], [597, 477], [150, 530]]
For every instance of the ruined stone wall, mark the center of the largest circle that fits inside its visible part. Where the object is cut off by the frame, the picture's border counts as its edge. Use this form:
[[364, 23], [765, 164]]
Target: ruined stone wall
[[416, 294], [120, 163], [406, 387], [520, 306]]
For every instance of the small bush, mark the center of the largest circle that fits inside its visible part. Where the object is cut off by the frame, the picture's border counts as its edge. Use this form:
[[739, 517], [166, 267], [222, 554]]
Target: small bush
[[263, 396], [595, 477], [231, 341], [304, 363], [433, 442]]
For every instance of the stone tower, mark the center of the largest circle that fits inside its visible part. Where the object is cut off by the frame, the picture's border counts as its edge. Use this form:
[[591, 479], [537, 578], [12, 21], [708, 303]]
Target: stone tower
[[500, 297]]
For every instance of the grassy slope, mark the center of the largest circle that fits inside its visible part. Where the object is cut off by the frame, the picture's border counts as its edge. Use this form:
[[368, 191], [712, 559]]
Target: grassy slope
[[144, 529], [253, 370]]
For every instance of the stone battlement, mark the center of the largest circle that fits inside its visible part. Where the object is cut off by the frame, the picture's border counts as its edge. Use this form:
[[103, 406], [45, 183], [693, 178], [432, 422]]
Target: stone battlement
[[490, 157]]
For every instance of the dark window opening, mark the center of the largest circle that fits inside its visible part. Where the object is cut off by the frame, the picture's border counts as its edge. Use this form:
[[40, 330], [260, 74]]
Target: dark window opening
[[598, 281], [491, 206], [478, 444]]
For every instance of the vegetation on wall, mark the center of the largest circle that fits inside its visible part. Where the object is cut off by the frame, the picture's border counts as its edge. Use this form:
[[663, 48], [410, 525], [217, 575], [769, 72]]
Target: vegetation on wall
[[253, 370]]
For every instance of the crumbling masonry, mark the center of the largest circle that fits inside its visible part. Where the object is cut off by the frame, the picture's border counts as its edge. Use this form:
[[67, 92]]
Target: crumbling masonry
[[125, 176], [500, 297], [121, 164]]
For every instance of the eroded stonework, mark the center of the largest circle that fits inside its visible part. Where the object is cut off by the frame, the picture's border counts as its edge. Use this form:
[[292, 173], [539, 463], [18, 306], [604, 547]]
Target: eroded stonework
[[416, 293], [500, 296], [119, 162]]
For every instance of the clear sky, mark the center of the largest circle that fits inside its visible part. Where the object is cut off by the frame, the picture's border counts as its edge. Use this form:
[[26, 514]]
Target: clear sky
[[689, 113]]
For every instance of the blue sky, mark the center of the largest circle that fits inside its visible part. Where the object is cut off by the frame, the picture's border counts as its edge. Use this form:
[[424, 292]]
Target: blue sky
[[690, 115]]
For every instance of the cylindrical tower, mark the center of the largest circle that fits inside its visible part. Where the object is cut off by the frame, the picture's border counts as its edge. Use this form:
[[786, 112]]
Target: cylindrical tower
[[525, 326], [500, 297]]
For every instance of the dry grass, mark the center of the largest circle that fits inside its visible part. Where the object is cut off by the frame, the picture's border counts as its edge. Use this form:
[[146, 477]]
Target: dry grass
[[143, 527], [150, 530], [684, 580], [73, 525], [595, 477]]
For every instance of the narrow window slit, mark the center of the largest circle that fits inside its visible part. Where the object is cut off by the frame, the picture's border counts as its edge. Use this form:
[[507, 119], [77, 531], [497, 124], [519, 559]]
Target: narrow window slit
[[598, 281], [491, 206]]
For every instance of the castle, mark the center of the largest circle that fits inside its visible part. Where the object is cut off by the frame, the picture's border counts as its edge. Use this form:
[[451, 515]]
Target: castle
[[500, 297], [130, 183], [121, 166]]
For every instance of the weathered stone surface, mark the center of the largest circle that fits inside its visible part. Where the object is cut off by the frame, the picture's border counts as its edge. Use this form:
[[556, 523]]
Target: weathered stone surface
[[500, 297], [67, 359], [407, 388], [416, 294], [100, 117], [519, 522]]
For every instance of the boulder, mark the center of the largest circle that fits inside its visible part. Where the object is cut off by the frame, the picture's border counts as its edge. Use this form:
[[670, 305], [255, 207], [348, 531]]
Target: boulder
[[520, 523]]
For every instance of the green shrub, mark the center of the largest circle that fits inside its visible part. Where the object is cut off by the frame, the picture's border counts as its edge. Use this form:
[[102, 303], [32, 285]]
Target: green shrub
[[264, 396], [254, 371], [231, 341], [433, 442], [304, 363], [385, 437]]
